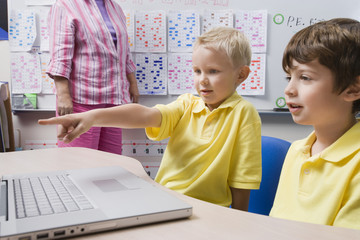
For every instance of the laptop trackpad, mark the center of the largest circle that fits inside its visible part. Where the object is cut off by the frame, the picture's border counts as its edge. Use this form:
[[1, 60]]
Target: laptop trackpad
[[110, 185]]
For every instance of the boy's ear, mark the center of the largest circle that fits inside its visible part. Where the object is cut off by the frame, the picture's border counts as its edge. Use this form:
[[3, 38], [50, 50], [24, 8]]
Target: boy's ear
[[243, 73], [352, 93]]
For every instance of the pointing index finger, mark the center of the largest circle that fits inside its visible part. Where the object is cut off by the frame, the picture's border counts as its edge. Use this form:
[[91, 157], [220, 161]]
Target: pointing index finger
[[51, 121]]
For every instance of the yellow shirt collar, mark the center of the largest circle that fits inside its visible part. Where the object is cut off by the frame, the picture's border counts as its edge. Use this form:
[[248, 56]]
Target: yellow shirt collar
[[345, 146], [230, 102]]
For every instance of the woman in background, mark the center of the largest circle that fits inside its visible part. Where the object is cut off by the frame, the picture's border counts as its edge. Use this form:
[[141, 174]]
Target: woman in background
[[91, 64]]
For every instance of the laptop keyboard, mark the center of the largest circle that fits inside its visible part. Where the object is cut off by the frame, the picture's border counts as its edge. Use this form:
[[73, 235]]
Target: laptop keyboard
[[48, 195]]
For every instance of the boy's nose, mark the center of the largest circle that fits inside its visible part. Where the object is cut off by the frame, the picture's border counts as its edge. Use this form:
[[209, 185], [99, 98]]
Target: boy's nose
[[290, 89], [203, 79]]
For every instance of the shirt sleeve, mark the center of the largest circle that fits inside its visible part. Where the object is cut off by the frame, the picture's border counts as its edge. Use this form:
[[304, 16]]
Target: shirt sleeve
[[171, 114], [62, 37], [245, 167], [130, 65]]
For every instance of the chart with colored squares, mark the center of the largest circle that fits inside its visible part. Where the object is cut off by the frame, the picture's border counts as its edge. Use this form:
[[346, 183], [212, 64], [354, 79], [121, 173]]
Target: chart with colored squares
[[48, 85], [161, 43], [216, 18], [151, 70], [150, 31], [22, 30], [130, 26], [44, 33], [183, 28], [25, 66], [254, 25], [254, 84], [180, 73]]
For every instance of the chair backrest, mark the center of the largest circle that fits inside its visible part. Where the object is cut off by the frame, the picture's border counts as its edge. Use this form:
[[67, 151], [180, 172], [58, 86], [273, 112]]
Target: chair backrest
[[273, 154], [7, 140]]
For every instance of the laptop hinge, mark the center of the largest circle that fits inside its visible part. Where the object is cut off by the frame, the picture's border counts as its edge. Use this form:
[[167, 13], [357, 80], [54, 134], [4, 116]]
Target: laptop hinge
[[3, 201]]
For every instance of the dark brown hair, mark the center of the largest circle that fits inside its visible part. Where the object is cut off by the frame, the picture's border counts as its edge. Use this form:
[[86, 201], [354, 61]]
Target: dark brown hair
[[335, 44]]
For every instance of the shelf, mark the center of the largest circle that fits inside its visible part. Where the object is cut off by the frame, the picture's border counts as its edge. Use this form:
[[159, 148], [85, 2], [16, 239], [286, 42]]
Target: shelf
[[32, 110]]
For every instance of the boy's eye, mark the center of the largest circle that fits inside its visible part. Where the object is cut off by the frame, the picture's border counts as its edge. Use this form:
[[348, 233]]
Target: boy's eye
[[303, 77], [213, 71], [288, 78], [197, 71]]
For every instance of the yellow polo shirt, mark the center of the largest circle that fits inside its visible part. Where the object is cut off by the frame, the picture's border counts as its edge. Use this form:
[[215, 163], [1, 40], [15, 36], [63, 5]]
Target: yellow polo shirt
[[324, 188], [209, 151]]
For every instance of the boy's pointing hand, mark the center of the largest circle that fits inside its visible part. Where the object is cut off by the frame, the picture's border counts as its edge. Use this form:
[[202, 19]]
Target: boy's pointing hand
[[70, 126]]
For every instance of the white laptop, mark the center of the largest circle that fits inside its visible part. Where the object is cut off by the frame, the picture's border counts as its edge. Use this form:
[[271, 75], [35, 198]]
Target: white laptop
[[83, 201]]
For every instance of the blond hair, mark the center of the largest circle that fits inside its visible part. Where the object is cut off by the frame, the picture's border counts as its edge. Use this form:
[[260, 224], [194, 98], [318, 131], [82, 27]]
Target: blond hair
[[233, 42]]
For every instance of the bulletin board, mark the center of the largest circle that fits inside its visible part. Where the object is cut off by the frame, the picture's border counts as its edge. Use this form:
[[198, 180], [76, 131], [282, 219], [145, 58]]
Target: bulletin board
[[268, 24]]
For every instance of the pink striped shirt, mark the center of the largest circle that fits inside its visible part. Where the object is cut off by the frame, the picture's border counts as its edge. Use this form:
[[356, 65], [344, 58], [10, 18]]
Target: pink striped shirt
[[82, 50]]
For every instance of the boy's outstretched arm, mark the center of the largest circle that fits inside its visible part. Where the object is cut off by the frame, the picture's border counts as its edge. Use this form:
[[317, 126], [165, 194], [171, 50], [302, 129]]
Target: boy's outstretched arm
[[124, 116]]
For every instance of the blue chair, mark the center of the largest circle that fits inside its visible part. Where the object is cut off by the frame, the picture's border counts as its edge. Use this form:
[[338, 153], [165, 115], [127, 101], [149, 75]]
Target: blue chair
[[273, 154]]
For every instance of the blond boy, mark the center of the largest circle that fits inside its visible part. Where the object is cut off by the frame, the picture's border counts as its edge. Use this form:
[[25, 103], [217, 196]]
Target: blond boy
[[214, 151]]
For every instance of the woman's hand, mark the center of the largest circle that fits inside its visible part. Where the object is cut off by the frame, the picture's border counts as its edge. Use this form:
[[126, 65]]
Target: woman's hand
[[133, 89], [64, 101]]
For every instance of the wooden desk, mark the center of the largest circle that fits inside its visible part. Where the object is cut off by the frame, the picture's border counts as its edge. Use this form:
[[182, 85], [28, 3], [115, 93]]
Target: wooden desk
[[209, 221]]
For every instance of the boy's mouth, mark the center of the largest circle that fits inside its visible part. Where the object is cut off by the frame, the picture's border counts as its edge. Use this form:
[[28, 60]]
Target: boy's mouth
[[205, 92], [294, 107]]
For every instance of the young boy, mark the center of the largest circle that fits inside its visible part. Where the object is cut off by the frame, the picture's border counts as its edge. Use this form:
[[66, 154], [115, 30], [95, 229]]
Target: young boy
[[214, 151], [320, 179]]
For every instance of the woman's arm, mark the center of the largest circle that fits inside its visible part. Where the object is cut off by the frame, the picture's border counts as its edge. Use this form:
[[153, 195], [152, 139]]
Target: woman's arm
[[133, 89], [64, 100], [62, 44]]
